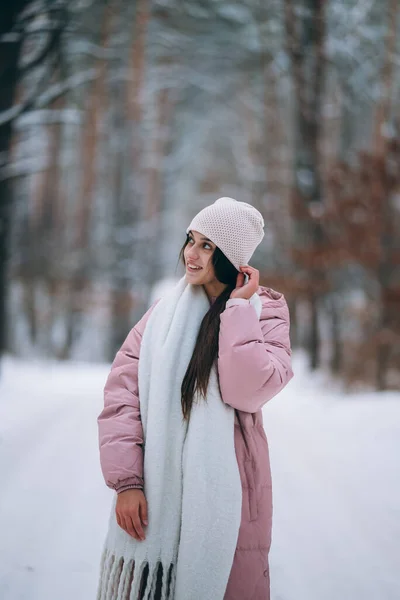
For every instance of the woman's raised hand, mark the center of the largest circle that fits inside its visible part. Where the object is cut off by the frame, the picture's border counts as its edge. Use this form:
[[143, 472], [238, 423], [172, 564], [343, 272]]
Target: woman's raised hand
[[246, 290], [131, 512]]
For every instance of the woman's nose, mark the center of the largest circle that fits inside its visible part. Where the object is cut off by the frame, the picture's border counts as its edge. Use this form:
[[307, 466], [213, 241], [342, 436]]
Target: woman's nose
[[192, 256]]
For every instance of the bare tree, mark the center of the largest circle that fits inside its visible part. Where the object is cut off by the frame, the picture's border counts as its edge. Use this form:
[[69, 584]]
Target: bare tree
[[15, 29], [305, 38]]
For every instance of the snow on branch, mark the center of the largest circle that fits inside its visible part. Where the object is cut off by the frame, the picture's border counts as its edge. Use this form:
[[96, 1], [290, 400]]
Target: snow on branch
[[56, 90], [59, 89], [68, 116]]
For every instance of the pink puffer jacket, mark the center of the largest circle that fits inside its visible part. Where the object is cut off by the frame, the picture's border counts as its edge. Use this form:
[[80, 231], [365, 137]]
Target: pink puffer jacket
[[254, 364]]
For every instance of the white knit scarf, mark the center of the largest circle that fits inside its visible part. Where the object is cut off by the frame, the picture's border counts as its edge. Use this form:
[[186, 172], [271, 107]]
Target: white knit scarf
[[191, 476]]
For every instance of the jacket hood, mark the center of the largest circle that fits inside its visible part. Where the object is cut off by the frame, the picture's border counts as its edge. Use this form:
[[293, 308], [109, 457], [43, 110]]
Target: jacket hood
[[273, 303]]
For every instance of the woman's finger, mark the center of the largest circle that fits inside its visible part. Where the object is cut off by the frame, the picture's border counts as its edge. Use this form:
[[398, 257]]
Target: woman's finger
[[240, 280], [252, 273], [118, 519], [248, 269], [129, 527], [242, 289], [143, 511], [138, 525]]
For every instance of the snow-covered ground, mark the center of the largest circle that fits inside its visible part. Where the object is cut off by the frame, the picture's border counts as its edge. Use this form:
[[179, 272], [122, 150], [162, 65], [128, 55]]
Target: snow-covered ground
[[336, 487]]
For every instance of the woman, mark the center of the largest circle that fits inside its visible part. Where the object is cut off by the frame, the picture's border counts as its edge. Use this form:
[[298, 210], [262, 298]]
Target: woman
[[181, 433]]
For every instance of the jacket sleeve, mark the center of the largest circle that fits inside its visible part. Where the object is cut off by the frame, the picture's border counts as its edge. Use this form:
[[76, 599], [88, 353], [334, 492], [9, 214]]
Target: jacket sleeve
[[119, 423], [254, 358]]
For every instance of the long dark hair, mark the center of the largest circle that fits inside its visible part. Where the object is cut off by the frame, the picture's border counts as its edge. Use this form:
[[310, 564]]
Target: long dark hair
[[206, 348]]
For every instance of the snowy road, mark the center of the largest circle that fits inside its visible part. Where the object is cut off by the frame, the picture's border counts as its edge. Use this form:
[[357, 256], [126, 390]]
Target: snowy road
[[336, 487]]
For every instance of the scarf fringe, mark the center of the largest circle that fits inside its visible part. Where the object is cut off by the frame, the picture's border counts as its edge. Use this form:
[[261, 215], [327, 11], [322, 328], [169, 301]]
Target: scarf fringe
[[124, 580]]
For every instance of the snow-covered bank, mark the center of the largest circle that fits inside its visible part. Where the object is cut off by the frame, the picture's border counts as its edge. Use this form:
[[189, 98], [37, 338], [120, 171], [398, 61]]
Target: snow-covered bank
[[53, 501], [335, 474], [335, 469]]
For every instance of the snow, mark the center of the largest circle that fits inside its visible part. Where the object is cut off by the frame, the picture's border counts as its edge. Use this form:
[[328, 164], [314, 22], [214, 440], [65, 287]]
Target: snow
[[334, 461], [335, 472], [53, 500]]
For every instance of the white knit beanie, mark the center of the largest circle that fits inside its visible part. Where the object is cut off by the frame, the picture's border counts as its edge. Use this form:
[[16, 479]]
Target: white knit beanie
[[235, 227]]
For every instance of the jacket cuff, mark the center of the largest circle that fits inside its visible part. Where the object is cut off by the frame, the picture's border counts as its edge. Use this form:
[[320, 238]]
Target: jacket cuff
[[131, 486], [128, 483], [236, 302]]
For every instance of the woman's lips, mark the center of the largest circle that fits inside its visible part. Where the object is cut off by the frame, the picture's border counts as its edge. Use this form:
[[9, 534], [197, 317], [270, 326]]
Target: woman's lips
[[191, 270]]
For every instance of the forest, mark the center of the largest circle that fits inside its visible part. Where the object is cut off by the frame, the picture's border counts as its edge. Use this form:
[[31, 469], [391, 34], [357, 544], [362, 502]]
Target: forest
[[120, 120]]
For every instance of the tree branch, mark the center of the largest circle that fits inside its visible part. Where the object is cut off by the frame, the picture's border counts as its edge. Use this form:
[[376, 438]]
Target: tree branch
[[52, 44], [37, 100]]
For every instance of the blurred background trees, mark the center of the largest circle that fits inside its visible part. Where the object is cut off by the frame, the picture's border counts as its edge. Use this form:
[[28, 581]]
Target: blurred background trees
[[120, 120]]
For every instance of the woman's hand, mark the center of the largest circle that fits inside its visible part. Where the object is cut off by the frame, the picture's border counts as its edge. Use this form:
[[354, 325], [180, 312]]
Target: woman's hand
[[243, 290], [131, 512]]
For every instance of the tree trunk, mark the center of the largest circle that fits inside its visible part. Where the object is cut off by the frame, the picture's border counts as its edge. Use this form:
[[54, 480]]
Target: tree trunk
[[94, 113], [337, 355], [383, 149], [8, 83], [129, 204], [305, 37]]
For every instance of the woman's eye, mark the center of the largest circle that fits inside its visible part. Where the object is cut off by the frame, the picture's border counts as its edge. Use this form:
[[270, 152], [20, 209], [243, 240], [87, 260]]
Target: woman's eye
[[205, 243]]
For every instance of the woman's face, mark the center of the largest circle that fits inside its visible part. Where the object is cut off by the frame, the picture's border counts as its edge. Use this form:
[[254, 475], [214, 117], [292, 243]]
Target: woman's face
[[198, 252]]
